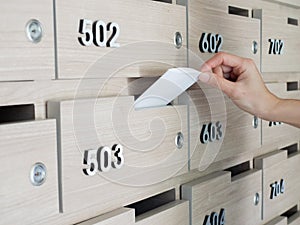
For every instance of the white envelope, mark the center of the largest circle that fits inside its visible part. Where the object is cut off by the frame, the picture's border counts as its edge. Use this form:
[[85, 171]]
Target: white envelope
[[169, 86]]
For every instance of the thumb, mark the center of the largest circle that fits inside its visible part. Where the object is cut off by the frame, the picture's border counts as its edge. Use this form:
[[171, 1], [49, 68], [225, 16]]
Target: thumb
[[216, 81]]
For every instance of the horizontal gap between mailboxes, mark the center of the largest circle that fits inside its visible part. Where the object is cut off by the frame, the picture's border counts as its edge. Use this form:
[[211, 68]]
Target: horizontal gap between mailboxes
[[238, 11], [290, 212], [292, 21], [291, 149], [238, 169], [153, 202], [16, 113]]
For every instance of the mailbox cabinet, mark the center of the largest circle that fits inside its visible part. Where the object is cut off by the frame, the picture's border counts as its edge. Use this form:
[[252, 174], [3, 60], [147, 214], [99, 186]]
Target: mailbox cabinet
[[219, 197], [279, 38], [28, 174], [220, 26], [27, 40], [280, 181], [113, 38], [111, 151], [220, 133]]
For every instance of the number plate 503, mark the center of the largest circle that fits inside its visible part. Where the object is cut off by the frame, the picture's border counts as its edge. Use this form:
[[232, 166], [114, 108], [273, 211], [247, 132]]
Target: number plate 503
[[103, 159]]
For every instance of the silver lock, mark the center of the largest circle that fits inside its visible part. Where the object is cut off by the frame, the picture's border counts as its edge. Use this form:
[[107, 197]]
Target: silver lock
[[256, 199], [34, 31], [38, 174], [255, 122], [178, 40], [254, 47], [179, 140]]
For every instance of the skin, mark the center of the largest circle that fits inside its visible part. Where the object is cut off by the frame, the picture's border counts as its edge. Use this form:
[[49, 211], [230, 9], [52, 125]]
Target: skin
[[241, 81]]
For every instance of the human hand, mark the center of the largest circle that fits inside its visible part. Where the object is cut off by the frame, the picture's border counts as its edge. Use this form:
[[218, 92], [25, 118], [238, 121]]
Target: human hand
[[241, 81]]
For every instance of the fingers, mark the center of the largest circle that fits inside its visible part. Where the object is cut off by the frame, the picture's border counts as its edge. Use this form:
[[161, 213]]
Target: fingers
[[215, 80], [222, 71]]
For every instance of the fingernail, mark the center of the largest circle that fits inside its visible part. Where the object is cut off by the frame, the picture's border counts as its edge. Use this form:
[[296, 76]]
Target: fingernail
[[226, 75], [204, 77]]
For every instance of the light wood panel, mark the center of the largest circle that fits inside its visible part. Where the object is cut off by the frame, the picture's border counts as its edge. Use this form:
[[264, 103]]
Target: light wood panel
[[147, 30], [148, 137], [275, 166], [174, 213], [122, 215], [219, 191], [292, 3], [294, 219], [278, 221], [274, 25], [212, 17], [21, 59], [21, 146], [239, 138]]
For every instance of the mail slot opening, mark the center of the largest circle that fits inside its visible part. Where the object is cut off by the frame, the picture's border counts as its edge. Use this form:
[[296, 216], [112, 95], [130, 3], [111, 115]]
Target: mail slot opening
[[16, 113], [165, 1], [292, 21], [238, 169], [153, 202], [292, 211], [292, 86], [238, 11], [291, 149]]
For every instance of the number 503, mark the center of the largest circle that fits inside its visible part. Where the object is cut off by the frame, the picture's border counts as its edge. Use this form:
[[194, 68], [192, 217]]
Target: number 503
[[103, 159]]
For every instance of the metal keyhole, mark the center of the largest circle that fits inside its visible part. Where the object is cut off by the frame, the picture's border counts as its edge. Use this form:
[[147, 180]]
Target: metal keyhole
[[255, 122], [179, 140], [254, 47], [256, 199], [178, 40], [38, 174], [34, 31]]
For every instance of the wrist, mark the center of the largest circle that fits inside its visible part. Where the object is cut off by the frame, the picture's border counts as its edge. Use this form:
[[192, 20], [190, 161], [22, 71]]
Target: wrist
[[268, 110]]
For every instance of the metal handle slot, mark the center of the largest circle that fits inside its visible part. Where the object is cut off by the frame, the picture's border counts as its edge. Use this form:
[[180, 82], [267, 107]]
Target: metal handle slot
[[292, 86], [153, 202], [238, 169], [291, 149], [292, 21], [16, 113], [238, 11]]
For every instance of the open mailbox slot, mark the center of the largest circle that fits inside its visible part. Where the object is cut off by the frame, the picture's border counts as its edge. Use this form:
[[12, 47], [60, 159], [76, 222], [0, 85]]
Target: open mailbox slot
[[160, 209]]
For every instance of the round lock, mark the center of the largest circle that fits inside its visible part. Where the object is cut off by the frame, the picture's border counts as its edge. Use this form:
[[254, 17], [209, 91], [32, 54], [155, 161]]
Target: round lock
[[255, 122], [34, 31], [178, 40], [179, 140], [38, 174], [254, 47], [256, 198]]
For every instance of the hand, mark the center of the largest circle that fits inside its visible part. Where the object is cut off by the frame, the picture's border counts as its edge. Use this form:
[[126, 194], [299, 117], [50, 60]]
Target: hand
[[241, 81]]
